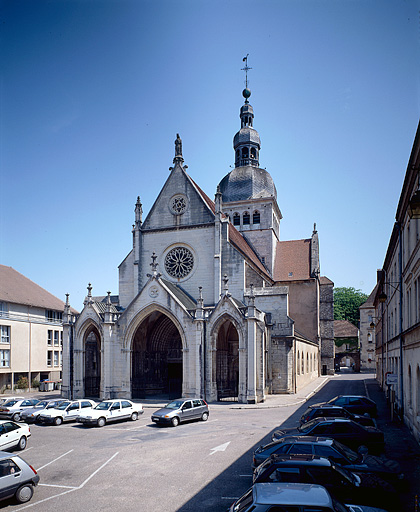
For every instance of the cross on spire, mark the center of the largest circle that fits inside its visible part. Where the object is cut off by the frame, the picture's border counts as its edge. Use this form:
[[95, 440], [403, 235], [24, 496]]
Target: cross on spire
[[246, 69]]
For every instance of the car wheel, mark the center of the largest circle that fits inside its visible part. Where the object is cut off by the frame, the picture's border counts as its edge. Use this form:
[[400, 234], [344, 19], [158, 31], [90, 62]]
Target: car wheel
[[24, 493], [175, 421], [101, 422], [58, 420], [22, 443], [134, 416], [15, 416], [205, 416]]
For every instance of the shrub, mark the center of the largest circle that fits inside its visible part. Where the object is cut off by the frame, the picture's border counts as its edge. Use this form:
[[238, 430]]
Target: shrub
[[22, 383]]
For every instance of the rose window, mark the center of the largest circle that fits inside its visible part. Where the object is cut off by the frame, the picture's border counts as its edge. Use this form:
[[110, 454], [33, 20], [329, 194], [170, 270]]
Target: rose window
[[179, 262], [178, 204]]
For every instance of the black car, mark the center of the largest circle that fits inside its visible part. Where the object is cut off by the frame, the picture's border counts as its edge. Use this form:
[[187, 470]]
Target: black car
[[346, 431], [345, 485], [335, 411], [341, 455], [357, 404]]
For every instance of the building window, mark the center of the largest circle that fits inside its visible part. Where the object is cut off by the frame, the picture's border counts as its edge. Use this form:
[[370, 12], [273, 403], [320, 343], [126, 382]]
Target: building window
[[370, 337], [4, 312], [5, 358], [246, 219], [179, 262], [236, 219], [4, 334], [50, 337], [61, 338], [53, 316], [256, 217], [56, 333], [49, 358], [56, 358]]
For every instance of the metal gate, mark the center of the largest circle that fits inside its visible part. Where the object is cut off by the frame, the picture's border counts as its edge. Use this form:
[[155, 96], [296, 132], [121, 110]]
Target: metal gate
[[92, 386], [227, 376], [157, 373]]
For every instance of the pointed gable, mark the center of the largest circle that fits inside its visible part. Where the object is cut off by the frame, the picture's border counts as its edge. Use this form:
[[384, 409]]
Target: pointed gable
[[179, 187]]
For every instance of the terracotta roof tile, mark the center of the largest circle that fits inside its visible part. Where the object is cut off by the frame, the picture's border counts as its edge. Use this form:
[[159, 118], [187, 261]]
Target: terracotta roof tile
[[293, 260], [345, 329], [18, 289]]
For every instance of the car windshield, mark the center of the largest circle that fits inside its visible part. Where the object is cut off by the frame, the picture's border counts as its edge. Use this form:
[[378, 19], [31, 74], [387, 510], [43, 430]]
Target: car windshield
[[62, 406], [309, 425], [176, 404], [9, 403], [103, 406], [348, 475], [347, 452]]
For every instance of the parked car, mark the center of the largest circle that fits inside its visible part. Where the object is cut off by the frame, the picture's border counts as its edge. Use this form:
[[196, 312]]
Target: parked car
[[335, 411], [357, 404], [12, 408], [273, 497], [110, 410], [17, 478], [68, 410], [30, 415], [347, 486], [346, 431], [387, 469], [181, 410], [6, 398], [13, 435]]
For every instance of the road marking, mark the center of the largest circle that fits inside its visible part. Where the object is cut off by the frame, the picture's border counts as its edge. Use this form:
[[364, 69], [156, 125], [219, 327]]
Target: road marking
[[72, 488], [220, 448], [60, 486], [58, 458]]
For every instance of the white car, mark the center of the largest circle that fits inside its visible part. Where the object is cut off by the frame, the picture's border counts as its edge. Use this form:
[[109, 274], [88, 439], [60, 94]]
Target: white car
[[12, 408], [111, 410], [13, 435], [6, 398], [68, 410]]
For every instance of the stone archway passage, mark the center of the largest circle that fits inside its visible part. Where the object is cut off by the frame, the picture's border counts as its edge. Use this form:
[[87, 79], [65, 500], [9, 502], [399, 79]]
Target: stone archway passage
[[92, 364], [156, 367], [227, 362]]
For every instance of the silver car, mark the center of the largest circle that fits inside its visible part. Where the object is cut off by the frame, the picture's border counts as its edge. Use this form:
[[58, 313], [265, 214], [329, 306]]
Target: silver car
[[31, 414], [17, 478], [181, 410]]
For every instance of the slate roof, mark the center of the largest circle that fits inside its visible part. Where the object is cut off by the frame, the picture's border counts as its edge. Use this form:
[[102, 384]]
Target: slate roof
[[180, 294], [293, 259], [18, 289], [345, 329], [240, 243]]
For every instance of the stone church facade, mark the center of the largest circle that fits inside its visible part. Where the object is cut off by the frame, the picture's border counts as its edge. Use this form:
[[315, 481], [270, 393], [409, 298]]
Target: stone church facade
[[211, 303]]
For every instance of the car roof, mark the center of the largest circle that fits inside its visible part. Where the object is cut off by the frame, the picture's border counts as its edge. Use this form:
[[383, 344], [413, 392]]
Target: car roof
[[305, 439], [7, 455], [8, 421], [299, 460], [326, 406], [280, 493]]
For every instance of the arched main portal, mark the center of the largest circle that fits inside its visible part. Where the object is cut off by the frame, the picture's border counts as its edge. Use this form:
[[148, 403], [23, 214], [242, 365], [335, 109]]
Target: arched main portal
[[227, 362], [92, 364], [156, 365]]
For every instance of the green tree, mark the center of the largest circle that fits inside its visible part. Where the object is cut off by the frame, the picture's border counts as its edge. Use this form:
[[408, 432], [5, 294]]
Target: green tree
[[346, 304]]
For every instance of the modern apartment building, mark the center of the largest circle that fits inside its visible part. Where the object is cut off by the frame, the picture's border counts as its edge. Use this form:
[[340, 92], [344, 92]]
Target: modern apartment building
[[31, 331]]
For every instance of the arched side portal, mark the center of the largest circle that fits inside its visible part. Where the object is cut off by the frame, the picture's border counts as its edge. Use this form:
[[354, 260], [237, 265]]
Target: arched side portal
[[227, 362], [92, 374], [156, 364]]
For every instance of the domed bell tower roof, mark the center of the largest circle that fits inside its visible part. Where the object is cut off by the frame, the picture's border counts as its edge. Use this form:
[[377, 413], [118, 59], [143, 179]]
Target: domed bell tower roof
[[247, 180]]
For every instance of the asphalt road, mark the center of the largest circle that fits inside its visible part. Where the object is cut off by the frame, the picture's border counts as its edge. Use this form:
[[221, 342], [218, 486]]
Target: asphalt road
[[135, 466]]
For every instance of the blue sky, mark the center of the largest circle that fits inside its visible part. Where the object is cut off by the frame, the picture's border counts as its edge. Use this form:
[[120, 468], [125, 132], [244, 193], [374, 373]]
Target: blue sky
[[93, 93]]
